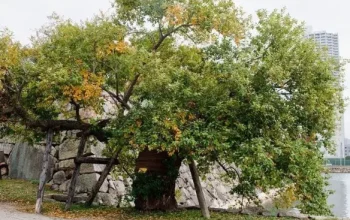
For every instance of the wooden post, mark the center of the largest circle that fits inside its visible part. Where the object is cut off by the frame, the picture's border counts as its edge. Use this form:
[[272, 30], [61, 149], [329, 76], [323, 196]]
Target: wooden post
[[102, 178], [43, 175], [199, 191], [76, 172]]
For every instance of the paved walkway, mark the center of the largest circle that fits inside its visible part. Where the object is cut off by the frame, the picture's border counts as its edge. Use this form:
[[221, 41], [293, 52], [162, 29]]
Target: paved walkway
[[8, 212]]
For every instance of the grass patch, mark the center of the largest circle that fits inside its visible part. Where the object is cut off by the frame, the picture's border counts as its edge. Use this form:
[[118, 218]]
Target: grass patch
[[23, 194], [18, 191]]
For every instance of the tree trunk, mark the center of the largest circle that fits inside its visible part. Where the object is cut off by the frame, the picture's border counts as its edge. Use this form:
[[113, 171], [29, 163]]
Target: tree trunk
[[154, 186], [76, 172], [199, 191], [43, 175], [102, 178]]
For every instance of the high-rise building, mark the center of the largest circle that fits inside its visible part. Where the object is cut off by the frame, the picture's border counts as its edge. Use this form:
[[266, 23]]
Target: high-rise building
[[330, 41], [347, 147]]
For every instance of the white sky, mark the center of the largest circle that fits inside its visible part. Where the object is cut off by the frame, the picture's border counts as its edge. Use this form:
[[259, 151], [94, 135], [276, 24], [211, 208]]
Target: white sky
[[24, 17]]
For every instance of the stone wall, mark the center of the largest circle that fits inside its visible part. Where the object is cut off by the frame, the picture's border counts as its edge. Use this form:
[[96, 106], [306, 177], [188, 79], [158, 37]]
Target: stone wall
[[25, 163], [112, 190], [216, 192]]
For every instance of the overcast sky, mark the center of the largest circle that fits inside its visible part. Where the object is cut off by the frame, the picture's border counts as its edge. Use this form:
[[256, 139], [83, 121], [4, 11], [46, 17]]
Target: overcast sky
[[24, 17]]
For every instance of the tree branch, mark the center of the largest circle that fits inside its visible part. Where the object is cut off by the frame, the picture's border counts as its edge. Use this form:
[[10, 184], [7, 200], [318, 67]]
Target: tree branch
[[128, 93], [77, 109], [117, 98], [163, 37]]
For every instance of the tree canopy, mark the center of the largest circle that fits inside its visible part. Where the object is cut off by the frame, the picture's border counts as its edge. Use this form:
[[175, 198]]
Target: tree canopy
[[193, 78]]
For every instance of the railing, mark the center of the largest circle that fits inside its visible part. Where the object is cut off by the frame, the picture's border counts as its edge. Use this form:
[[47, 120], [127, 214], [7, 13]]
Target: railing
[[337, 162]]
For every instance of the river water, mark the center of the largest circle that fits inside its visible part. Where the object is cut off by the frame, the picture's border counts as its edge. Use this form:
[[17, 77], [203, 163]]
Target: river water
[[340, 183]]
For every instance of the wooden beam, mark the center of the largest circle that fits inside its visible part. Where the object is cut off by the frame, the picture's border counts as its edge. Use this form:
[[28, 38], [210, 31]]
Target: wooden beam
[[44, 172], [76, 171], [94, 160], [111, 162], [199, 189]]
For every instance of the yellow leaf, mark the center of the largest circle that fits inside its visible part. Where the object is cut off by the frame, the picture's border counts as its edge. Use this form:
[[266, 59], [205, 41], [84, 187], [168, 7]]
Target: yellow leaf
[[142, 170]]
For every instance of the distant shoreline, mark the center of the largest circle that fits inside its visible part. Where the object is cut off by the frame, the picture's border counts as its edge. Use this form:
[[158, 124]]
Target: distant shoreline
[[338, 169]]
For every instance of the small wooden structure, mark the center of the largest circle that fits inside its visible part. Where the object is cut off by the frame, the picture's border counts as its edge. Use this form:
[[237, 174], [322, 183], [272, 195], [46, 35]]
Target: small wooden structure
[[151, 161]]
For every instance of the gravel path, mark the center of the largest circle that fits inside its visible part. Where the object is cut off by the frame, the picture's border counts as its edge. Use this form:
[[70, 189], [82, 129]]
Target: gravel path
[[8, 212]]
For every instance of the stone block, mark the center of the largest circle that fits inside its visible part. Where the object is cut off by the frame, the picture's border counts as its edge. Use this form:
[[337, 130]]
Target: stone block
[[7, 148], [69, 173], [25, 162], [94, 147], [86, 182], [190, 183], [111, 185], [64, 186], [76, 199], [222, 196], [56, 166], [91, 168], [104, 187], [295, 213], [54, 152], [54, 187], [222, 189], [68, 149], [185, 193], [66, 164], [214, 204], [180, 182], [120, 187], [190, 203], [59, 177], [194, 199], [106, 199], [184, 169]]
